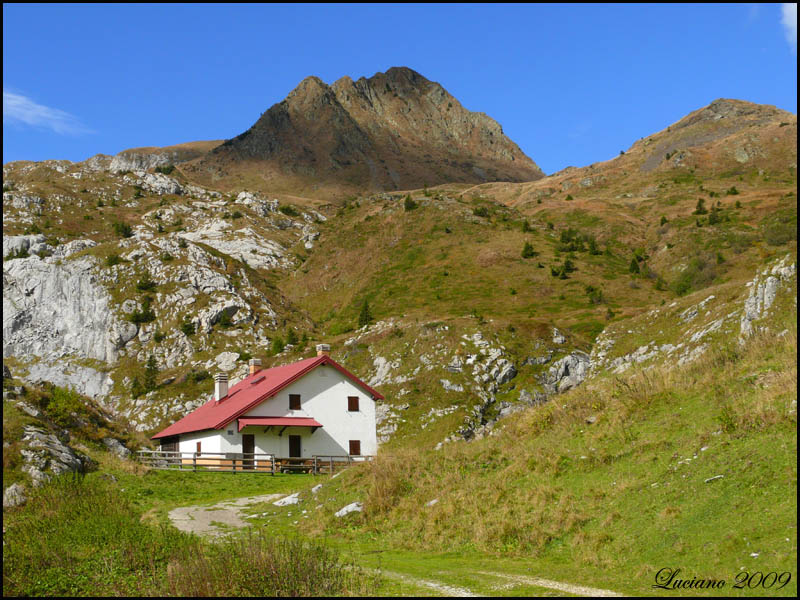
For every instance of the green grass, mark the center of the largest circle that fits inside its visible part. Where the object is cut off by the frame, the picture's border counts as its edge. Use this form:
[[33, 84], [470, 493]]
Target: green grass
[[79, 537]]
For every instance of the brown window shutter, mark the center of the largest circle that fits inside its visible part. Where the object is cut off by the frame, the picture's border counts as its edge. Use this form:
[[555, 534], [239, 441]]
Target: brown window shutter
[[198, 446], [294, 401], [355, 447], [352, 403]]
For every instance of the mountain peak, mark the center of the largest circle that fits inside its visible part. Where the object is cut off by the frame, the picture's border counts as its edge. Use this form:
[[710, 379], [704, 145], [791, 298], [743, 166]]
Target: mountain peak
[[394, 130]]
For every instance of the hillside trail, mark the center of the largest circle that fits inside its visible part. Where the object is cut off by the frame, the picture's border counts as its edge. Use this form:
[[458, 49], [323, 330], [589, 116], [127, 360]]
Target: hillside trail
[[218, 519], [223, 518]]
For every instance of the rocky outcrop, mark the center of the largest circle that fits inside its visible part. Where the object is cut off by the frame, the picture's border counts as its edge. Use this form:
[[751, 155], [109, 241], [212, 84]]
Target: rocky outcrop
[[45, 455], [243, 244], [156, 183], [763, 289], [567, 372], [116, 447], [51, 310]]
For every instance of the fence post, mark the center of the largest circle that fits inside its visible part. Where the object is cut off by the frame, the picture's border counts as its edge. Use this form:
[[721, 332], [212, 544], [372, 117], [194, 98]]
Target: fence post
[[194, 462], [234, 464]]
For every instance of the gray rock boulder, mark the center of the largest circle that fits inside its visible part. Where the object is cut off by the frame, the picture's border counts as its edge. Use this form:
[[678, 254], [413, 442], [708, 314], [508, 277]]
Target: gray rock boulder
[[14, 495], [353, 507], [257, 204], [538, 360], [567, 372], [226, 361], [117, 447], [503, 371]]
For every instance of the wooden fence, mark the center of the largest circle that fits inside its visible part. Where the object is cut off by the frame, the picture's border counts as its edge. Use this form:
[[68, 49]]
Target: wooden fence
[[232, 462]]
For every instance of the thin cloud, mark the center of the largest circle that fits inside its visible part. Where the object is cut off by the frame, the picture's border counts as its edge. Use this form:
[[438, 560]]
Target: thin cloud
[[789, 22], [21, 110]]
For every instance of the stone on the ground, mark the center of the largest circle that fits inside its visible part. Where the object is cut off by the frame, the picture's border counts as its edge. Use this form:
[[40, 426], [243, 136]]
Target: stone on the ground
[[286, 501], [116, 447], [14, 495], [354, 507]]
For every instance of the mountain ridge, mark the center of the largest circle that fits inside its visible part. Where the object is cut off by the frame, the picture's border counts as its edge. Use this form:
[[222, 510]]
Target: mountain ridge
[[394, 130]]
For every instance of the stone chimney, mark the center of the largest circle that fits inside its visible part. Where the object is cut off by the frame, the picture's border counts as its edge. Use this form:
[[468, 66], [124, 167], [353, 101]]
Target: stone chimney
[[255, 365], [220, 386], [323, 349]]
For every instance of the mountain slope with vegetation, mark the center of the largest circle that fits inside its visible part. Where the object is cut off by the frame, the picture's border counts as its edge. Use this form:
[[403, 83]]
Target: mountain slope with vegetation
[[566, 359]]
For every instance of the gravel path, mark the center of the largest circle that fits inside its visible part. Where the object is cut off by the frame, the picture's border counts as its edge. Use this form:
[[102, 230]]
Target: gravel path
[[201, 519], [578, 590]]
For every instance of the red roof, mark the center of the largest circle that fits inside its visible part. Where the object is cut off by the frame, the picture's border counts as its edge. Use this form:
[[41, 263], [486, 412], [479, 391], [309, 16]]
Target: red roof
[[250, 392], [286, 421]]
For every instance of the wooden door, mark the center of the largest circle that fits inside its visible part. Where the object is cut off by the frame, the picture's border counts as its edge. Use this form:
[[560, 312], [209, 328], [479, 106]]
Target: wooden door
[[294, 446], [248, 448]]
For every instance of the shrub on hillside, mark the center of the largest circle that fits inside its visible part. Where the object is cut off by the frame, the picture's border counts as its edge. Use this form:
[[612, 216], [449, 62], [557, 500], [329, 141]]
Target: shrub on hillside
[[145, 315], [780, 227], [145, 284], [188, 327], [122, 230], [114, 259], [277, 346], [289, 211], [409, 204], [699, 273], [700, 209], [528, 251]]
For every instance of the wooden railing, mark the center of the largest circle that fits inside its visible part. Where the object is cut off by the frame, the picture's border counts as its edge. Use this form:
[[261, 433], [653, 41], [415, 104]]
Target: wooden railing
[[209, 461], [238, 462]]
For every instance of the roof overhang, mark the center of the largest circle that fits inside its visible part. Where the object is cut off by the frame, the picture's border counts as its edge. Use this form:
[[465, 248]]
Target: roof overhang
[[279, 421]]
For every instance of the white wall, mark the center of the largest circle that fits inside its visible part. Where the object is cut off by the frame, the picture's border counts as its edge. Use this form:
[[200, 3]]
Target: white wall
[[209, 440], [323, 396]]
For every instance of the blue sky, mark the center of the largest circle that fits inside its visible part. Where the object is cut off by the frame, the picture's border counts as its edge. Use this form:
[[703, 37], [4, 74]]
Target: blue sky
[[571, 84]]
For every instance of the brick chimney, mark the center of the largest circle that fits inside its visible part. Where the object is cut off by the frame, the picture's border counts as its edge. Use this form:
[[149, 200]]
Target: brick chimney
[[255, 365], [220, 386], [323, 349]]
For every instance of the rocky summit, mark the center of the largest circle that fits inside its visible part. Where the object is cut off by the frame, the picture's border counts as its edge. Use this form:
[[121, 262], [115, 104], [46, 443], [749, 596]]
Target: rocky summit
[[394, 130]]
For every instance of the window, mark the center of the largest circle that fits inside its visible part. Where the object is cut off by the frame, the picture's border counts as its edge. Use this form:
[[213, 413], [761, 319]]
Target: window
[[294, 401], [352, 403], [355, 447]]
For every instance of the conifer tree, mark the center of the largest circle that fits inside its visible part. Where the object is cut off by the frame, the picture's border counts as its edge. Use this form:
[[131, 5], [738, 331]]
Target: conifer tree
[[365, 317], [150, 374]]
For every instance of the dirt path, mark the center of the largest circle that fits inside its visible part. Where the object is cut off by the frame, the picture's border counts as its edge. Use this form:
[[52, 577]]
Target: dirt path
[[578, 590], [201, 519], [442, 588]]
